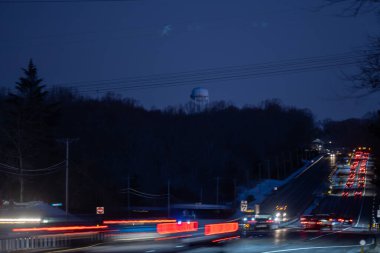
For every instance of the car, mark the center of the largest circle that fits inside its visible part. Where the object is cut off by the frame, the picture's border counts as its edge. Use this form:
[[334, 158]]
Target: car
[[317, 221], [305, 219], [246, 223], [280, 213], [345, 221], [309, 222], [250, 223], [325, 220]]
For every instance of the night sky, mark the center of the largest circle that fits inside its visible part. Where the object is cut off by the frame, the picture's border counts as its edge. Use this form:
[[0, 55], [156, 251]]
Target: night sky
[[74, 43]]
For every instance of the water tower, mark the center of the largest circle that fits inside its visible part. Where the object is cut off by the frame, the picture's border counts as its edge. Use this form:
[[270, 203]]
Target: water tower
[[199, 98]]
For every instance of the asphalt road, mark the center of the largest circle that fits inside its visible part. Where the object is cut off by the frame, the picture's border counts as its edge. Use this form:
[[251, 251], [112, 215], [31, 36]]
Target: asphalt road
[[360, 209], [357, 208], [282, 240], [300, 193], [295, 241]]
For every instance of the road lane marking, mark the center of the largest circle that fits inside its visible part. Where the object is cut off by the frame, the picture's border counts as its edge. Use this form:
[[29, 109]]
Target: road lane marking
[[360, 213], [328, 234], [313, 248]]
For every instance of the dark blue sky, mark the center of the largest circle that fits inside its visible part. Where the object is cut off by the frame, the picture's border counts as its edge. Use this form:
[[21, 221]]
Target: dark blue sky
[[73, 42]]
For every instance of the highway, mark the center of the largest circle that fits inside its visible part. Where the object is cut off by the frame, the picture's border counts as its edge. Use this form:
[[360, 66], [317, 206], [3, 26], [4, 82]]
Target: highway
[[281, 240], [306, 193], [300, 193], [359, 209], [345, 200]]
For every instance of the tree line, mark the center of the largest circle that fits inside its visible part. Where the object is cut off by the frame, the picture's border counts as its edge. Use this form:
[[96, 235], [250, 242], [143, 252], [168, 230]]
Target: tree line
[[122, 147]]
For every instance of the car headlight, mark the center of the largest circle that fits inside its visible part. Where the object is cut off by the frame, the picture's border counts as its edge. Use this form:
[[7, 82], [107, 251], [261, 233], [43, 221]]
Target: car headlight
[[245, 219], [278, 214], [284, 214]]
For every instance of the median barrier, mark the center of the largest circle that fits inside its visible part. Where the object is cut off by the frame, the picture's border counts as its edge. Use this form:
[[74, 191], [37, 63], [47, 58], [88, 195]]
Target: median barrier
[[46, 242]]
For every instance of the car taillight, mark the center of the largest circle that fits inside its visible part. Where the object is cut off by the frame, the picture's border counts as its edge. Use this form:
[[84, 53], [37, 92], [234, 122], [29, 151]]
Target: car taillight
[[269, 221]]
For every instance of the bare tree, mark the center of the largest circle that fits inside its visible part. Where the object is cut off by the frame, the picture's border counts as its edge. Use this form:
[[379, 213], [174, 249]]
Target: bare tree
[[368, 77], [354, 7]]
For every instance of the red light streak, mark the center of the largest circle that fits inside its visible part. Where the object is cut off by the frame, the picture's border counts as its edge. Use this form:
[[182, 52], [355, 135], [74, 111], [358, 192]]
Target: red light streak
[[136, 221], [172, 237], [57, 228], [227, 238], [171, 228], [221, 228]]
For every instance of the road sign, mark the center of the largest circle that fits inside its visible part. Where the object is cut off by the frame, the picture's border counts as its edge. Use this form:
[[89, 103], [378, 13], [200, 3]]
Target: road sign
[[100, 210], [243, 205], [378, 213]]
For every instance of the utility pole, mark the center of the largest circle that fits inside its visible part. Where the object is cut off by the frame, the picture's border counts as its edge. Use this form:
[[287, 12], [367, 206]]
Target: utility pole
[[168, 198], [235, 191], [67, 177], [217, 190], [283, 156], [128, 196], [247, 176], [260, 171], [21, 179], [67, 142], [291, 160]]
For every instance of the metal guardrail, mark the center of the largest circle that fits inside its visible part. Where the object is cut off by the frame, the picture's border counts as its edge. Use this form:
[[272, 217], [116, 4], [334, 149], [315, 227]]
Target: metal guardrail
[[47, 242]]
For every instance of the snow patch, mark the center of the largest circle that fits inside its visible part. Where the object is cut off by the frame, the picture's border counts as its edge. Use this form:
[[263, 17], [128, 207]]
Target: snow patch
[[266, 187]]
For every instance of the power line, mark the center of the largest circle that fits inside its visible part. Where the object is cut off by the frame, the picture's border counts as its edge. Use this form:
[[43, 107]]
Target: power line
[[6, 166], [38, 172], [242, 71], [221, 74], [53, 167], [234, 76], [148, 197], [142, 193], [61, 1], [281, 63]]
